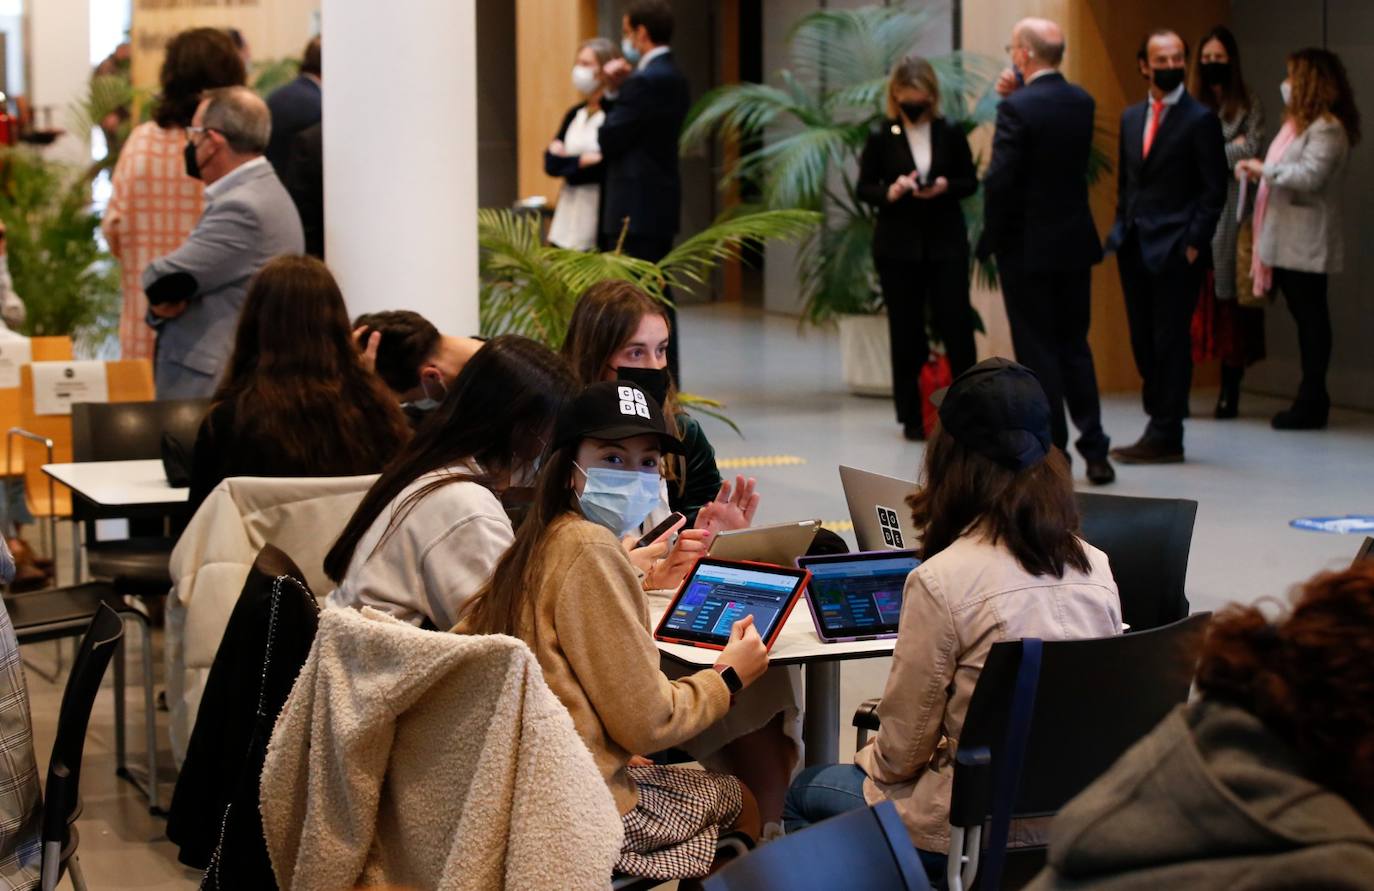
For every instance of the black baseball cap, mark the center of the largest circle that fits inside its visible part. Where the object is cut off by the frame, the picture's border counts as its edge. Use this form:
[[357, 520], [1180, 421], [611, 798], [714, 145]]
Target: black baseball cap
[[999, 410], [613, 410]]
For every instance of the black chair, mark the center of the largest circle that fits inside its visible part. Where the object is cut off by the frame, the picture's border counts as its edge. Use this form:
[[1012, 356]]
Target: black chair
[[127, 431], [58, 613], [62, 794], [1045, 720], [1366, 551], [1147, 541], [867, 848]]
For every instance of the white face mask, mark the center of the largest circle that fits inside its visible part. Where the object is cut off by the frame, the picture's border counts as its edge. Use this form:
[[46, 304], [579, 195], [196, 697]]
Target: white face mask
[[1286, 91], [584, 79]]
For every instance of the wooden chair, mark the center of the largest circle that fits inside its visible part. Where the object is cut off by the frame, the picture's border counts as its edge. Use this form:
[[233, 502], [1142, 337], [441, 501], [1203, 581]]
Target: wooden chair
[[48, 438]]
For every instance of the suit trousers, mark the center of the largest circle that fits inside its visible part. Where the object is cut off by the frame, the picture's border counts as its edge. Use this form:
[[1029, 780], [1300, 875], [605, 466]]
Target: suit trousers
[[654, 248], [1049, 311], [1305, 294], [1159, 310], [908, 288]]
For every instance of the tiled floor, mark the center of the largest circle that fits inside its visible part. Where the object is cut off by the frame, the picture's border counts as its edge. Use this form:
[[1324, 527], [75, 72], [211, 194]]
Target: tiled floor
[[783, 388]]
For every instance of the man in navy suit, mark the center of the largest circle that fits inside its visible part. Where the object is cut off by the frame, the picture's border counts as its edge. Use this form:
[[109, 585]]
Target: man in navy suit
[[1171, 188], [639, 142], [1038, 224], [295, 106]]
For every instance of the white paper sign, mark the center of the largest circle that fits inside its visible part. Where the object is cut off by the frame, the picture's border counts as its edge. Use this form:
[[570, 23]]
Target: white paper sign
[[14, 353], [57, 385]]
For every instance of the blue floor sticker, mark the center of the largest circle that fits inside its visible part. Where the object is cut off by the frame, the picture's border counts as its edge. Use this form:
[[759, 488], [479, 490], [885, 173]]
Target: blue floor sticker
[[1359, 524]]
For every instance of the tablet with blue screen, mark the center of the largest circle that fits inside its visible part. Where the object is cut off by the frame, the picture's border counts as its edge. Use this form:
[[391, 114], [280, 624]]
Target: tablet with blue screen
[[717, 593], [857, 596]]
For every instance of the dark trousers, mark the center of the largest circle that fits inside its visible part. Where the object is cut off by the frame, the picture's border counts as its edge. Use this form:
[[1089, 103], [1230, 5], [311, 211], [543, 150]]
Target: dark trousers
[[1049, 311], [1159, 310], [653, 249], [908, 288], [1305, 293]]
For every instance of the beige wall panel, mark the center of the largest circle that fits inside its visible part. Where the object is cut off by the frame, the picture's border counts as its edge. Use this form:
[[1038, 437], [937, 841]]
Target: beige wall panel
[[547, 34], [275, 29]]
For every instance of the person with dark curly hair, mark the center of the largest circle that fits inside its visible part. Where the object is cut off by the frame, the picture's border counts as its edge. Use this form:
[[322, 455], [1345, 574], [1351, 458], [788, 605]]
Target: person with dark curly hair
[[154, 204], [1265, 781]]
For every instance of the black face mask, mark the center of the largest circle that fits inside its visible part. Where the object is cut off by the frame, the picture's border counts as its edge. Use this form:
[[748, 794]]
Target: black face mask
[[653, 381], [1167, 79], [1215, 74], [913, 111], [188, 154]]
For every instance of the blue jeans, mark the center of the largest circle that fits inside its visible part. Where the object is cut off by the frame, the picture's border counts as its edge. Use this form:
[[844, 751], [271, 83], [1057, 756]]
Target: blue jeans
[[828, 790]]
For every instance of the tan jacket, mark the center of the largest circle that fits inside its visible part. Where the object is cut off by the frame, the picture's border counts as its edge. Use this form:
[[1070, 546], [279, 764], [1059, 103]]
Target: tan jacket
[[956, 606], [589, 627], [422, 759]]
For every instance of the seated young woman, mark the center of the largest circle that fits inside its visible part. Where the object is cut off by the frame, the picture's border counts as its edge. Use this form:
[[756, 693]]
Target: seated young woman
[[429, 532], [296, 399], [567, 589], [618, 332], [1002, 561]]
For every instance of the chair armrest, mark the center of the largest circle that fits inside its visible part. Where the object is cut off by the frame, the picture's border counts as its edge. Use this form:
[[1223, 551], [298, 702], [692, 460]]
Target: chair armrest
[[866, 715], [970, 799]]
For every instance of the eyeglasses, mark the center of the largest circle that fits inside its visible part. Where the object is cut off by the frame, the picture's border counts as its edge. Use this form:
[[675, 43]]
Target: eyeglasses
[[201, 131]]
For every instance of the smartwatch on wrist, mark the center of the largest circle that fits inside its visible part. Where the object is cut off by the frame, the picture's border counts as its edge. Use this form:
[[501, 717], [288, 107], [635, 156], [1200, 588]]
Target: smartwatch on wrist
[[731, 678]]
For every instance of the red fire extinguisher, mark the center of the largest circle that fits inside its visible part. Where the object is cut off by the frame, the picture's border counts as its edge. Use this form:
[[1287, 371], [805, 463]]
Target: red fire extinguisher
[[935, 375]]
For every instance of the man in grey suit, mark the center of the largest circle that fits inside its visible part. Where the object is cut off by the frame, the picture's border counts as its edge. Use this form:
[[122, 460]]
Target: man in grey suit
[[195, 293]]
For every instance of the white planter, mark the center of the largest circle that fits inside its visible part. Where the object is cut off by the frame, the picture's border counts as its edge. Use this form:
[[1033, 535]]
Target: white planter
[[865, 354]]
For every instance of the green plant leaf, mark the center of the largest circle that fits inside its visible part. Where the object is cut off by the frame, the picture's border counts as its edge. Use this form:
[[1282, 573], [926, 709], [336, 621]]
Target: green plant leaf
[[692, 261]]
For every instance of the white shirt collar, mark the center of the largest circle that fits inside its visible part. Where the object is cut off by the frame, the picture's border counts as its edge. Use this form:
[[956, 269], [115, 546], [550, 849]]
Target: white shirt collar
[[1041, 73], [228, 181], [648, 57], [1170, 98]]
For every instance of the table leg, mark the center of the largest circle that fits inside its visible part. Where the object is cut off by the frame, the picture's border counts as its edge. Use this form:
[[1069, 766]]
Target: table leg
[[76, 552], [821, 720]]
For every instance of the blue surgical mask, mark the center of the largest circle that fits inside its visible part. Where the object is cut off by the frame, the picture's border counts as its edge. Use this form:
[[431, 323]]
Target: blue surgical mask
[[629, 50], [619, 499], [428, 403]]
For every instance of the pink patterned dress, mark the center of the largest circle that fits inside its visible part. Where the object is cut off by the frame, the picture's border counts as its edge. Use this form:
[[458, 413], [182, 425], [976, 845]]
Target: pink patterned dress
[[155, 205]]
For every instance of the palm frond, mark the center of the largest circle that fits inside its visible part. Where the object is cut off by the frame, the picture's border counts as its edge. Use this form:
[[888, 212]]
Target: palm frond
[[854, 45], [837, 275], [743, 109], [795, 169], [692, 261], [966, 86], [714, 408]]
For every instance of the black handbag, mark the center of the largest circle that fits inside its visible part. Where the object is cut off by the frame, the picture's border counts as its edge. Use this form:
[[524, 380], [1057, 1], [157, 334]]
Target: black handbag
[[175, 462]]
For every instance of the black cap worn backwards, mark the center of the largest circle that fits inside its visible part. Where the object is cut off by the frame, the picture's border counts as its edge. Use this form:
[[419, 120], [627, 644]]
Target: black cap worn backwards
[[613, 410], [999, 410]]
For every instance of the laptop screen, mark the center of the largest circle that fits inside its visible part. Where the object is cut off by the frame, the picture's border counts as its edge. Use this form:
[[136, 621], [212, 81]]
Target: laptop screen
[[859, 595], [718, 594]]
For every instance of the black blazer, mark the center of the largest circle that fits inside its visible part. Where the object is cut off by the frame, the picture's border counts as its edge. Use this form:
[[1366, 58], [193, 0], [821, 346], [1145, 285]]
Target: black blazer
[[1172, 199], [294, 106], [1035, 192], [568, 168], [639, 144], [915, 228], [305, 181]]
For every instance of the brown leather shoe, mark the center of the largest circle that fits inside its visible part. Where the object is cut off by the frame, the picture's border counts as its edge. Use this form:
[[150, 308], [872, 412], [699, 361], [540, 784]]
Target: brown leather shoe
[[1148, 451]]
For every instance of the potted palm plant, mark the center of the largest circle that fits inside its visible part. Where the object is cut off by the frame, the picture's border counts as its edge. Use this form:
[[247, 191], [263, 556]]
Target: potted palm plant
[[809, 129]]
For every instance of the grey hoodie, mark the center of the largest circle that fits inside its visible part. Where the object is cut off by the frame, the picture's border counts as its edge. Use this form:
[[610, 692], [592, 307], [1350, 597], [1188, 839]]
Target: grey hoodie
[[1210, 799]]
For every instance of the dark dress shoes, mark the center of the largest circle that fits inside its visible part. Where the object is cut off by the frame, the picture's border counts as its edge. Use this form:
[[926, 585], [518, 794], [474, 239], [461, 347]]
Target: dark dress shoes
[[1228, 407], [1149, 451], [914, 432], [1300, 417], [1101, 472]]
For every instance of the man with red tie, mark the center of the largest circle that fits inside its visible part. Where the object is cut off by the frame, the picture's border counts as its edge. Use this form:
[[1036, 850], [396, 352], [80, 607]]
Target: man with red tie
[[1171, 188]]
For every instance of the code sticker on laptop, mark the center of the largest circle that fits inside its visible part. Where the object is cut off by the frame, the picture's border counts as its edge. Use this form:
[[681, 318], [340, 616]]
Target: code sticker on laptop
[[892, 528]]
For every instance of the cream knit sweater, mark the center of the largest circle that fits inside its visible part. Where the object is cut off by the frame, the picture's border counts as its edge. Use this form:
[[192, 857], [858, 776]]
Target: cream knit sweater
[[431, 760]]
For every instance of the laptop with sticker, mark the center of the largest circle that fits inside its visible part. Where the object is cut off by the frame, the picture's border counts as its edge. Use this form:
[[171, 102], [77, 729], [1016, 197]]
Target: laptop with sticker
[[878, 510]]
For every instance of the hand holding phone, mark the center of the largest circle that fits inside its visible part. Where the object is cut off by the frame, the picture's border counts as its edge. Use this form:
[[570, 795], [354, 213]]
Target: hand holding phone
[[658, 531]]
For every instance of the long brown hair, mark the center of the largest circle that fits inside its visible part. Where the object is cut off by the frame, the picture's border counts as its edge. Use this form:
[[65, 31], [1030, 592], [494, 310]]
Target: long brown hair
[[603, 321], [1235, 95], [1320, 87], [915, 72], [196, 60], [297, 384], [498, 607], [503, 403], [1309, 676], [1031, 512]]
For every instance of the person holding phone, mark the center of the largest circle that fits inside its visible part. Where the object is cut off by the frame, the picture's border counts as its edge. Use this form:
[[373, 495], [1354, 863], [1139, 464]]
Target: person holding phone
[[567, 588], [915, 169]]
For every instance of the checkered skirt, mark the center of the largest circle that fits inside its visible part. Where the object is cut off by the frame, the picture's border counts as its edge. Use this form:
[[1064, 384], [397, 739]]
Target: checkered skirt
[[672, 832]]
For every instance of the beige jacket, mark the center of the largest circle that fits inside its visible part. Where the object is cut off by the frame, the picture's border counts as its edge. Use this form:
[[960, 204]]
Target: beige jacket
[[1303, 227], [211, 561], [589, 627], [423, 759], [956, 606]]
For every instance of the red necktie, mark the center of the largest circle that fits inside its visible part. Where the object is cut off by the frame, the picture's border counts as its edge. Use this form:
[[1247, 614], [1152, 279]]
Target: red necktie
[[1154, 125]]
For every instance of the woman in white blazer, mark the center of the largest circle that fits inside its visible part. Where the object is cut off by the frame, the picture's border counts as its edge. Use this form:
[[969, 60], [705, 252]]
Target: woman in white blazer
[[1298, 241]]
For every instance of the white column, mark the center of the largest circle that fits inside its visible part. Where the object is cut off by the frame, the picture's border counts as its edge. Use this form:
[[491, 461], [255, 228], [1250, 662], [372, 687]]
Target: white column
[[60, 54], [400, 156]]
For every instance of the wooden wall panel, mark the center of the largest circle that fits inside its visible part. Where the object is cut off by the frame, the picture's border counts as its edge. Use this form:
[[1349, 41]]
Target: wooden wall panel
[[274, 29], [1102, 37], [546, 39]]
